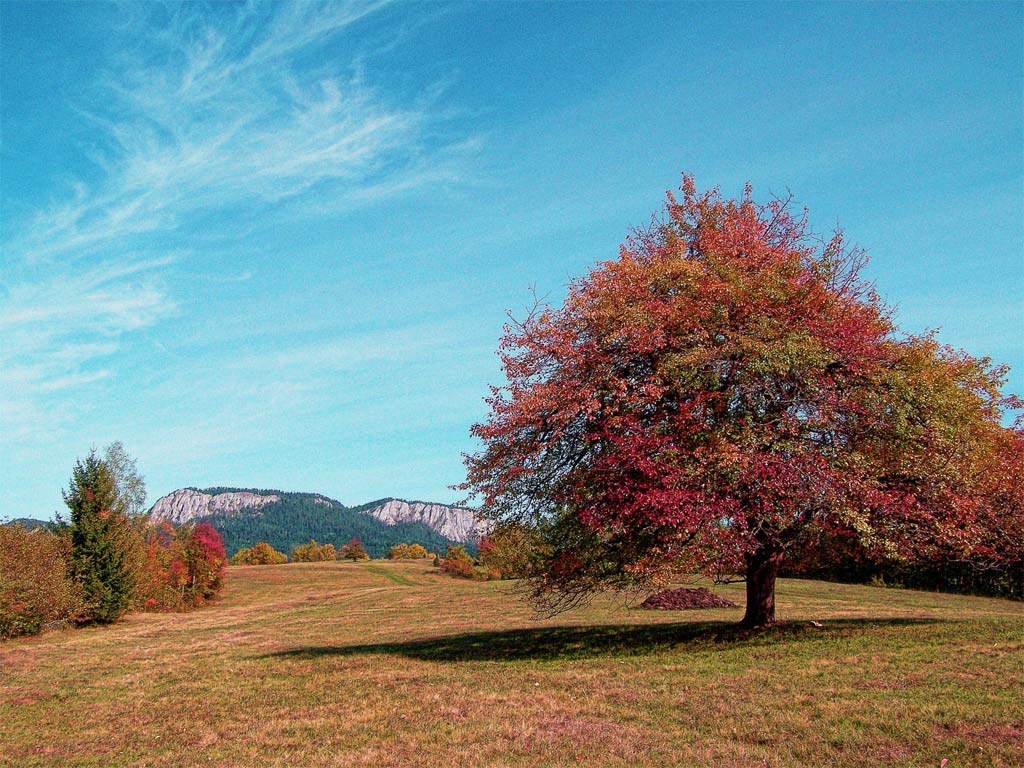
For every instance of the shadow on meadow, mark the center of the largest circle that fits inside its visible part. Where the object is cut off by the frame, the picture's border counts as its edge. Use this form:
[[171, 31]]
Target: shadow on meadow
[[574, 642]]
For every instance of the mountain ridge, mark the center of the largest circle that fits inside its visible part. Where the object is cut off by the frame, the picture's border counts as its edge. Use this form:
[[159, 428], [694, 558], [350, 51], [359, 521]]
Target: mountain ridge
[[288, 518]]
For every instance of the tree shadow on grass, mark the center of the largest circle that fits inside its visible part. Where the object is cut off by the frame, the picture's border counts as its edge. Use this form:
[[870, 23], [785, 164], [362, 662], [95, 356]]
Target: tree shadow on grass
[[577, 642]]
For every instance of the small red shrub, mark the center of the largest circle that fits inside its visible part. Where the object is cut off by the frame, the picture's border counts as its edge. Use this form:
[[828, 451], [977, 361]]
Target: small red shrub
[[459, 568], [183, 567]]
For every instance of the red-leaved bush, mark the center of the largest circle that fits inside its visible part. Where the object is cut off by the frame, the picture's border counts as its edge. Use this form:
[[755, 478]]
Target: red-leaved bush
[[183, 567]]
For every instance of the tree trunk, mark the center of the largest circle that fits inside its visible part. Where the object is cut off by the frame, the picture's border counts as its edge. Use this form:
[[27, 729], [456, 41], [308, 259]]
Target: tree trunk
[[762, 570]]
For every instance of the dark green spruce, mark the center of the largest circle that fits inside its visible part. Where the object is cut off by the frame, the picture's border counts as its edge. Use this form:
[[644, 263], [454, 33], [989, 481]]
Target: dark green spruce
[[98, 540]]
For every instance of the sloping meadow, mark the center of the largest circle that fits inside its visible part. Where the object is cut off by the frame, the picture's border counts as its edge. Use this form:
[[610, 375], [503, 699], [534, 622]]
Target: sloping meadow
[[395, 664]]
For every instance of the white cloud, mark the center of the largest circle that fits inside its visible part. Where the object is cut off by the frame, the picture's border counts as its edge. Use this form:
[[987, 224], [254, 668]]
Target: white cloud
[[207, 112], [205, 118], [57, 328]]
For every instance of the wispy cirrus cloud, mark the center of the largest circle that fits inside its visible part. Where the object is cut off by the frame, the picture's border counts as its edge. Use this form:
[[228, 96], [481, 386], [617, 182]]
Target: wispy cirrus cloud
[[208, 115], [58, 329], [204, 112]]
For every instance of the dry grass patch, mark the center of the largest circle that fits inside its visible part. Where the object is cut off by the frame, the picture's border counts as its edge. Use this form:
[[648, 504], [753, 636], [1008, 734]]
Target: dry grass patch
[[393, 664]]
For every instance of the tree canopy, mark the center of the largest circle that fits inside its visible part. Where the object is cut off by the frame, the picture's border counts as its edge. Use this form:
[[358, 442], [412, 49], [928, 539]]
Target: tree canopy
[[129, 484], [728, 388], [354, 550]]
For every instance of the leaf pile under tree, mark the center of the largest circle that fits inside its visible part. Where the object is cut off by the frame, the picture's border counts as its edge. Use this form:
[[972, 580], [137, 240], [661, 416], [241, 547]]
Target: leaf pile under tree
[[684, 599]]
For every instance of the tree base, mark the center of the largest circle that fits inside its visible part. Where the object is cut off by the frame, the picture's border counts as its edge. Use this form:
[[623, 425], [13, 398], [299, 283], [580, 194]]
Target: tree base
[[762, 570]]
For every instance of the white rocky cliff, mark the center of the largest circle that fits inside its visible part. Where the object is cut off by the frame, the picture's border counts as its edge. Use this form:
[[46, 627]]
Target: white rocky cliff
[[455, 523], [187, 504]]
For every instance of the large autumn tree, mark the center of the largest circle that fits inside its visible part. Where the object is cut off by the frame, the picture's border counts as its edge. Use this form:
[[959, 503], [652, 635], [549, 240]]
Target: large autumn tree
[[727, 389]]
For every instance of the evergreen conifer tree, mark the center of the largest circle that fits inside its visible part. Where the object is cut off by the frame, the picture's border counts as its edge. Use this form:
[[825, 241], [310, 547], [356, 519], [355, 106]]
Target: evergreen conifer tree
[[99, 541]]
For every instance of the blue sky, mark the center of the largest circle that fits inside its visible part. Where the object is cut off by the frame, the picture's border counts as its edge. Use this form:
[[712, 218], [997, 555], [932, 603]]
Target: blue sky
[[273, 245]]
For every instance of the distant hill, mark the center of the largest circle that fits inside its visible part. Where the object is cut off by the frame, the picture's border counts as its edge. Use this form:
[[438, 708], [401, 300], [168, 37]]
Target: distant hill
[[244, 516], [30, 522]]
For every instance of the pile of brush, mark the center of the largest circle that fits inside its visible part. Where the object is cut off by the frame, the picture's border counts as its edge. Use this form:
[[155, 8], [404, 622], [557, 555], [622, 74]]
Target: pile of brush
[[686, 599]]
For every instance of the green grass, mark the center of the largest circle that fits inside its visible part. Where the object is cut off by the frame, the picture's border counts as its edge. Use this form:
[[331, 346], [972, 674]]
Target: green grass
[[394, 664], [391, 574]]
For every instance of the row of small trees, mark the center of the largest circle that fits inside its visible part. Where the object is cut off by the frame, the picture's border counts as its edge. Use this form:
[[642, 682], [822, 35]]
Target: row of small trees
[[313, 552], [506, 554], [409, 552], [107, 558], [262, 553]]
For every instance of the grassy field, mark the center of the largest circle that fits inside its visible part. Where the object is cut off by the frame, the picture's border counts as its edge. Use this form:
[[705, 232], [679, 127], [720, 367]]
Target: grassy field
[[393, 664]]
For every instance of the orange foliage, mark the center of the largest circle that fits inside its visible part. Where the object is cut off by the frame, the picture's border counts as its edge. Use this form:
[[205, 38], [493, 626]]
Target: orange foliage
[[354, 550], [183, 567], [260, 553], [35, 588], [408, 552], [313, 552]]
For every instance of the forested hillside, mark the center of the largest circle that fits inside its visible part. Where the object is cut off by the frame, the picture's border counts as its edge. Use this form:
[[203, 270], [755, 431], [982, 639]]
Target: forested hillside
[[298, 517], [29, 522]]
